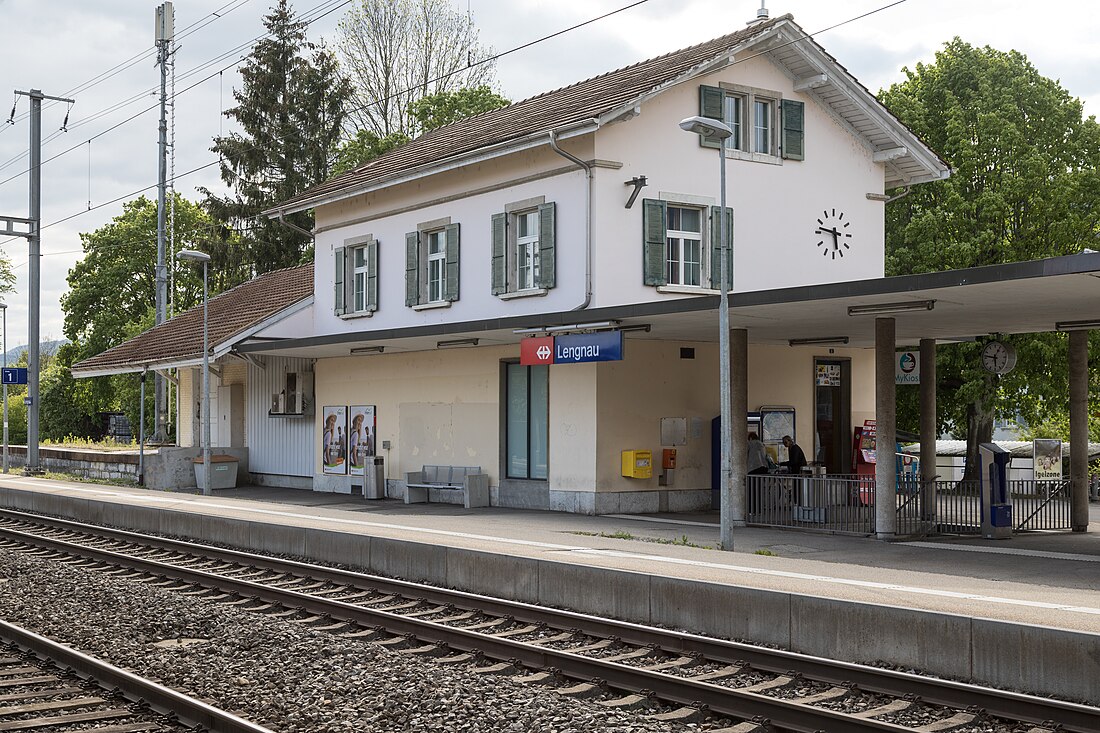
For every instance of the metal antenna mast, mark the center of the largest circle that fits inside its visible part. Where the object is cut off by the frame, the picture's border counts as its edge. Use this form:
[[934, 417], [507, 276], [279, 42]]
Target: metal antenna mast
[[164, 32]]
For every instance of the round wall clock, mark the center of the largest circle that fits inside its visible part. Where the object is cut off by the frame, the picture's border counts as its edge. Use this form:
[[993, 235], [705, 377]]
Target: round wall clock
[[998, 357], [834, 239]]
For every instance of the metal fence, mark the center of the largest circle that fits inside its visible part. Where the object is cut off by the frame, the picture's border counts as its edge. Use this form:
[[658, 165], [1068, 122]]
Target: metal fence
[[846, 504]]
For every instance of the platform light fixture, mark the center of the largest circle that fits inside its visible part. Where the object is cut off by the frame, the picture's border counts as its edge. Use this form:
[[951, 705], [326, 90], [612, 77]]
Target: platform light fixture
[[368, 350], [885, 309], [192, 255], [455, 343], [596, 326], [716, 129], [818, 341], [1076, 325]]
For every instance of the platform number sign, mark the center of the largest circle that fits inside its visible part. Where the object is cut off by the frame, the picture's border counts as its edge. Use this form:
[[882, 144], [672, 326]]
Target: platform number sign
[[14, 375]]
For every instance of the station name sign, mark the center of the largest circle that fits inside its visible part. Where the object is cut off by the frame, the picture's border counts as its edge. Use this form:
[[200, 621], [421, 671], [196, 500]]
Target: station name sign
[[577, 348]]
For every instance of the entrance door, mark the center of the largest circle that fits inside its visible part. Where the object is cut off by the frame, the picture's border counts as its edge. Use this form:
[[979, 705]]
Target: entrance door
[[833, 415]]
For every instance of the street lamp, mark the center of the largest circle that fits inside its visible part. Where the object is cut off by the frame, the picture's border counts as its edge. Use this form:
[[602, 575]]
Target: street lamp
[[4, 310], [712, 128], [192, 255]]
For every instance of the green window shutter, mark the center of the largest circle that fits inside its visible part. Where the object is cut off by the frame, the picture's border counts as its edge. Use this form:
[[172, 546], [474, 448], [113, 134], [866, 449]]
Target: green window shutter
[[499, 226], [412, 268], [372, 276], [794, 129], [712, 102], [450, 280], [716, 249], [339, 291], [655, 243], [547, 256]]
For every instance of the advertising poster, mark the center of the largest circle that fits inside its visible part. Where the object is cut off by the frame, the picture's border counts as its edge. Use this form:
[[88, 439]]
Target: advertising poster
[[361, 435], [1047, 455], [828, 375], [334, 439]]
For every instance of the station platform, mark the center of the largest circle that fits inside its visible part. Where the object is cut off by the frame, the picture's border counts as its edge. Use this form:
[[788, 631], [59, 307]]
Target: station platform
[[1022, 613]]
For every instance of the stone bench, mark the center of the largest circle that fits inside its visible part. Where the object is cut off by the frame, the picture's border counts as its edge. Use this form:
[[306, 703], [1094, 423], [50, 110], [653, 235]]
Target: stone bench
[[473, 484]]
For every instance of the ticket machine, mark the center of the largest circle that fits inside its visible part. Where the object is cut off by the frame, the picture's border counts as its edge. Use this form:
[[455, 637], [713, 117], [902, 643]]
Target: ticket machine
[[996, 500]]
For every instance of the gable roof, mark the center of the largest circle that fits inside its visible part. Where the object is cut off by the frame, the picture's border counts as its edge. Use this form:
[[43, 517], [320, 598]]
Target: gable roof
[[583, 107], [234, 315]]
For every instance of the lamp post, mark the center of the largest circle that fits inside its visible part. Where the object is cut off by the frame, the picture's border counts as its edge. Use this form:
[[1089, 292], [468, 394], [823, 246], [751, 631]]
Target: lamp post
[[712, 128], [196, 256], [4, 310]]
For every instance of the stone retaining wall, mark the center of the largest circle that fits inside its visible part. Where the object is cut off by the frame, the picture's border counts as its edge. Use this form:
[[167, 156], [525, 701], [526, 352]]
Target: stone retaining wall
[[165, 468]]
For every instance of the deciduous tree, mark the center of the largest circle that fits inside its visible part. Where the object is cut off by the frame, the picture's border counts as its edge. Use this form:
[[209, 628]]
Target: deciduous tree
[[1024, 185], [398, 51]]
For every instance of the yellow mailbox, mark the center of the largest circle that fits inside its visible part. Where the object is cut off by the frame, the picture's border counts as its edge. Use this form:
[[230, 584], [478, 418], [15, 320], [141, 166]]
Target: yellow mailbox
[[637, 463]]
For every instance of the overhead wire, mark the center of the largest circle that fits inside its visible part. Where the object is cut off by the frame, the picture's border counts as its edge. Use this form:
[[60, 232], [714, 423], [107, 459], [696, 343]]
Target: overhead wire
[[309, 17]]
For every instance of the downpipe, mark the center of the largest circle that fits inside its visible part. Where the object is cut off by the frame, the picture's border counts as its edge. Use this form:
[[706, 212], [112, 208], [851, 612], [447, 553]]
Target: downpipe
[[587, 219]]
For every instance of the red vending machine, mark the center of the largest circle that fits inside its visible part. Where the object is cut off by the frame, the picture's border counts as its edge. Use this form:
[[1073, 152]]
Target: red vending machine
[[863, 459]]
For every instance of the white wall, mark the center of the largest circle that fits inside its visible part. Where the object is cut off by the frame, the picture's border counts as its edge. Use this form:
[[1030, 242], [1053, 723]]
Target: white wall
[[473, 213], [776, 206]]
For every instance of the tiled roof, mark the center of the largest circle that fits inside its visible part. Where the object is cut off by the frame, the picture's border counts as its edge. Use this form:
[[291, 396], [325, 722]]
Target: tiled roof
[[231, 313], [553, 110]]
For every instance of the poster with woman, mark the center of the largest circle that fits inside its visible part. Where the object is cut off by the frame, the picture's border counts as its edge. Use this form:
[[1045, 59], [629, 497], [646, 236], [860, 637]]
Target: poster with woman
[[334, 439], [361, 437]]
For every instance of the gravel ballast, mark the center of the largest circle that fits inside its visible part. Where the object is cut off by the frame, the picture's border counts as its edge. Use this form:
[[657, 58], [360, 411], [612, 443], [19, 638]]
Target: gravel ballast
[[279, 674]]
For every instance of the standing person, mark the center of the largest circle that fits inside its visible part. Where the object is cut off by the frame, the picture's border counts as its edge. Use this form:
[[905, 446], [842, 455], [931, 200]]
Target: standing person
[[796, 459], [757, 464]]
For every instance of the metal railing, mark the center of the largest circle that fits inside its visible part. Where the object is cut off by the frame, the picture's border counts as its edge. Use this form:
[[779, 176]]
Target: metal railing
[[846, 504]]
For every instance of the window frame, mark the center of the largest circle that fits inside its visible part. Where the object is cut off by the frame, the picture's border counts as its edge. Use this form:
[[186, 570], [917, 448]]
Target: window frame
[[680, 236], [530, 448], [360, 275], [437, 260], [527, 249]]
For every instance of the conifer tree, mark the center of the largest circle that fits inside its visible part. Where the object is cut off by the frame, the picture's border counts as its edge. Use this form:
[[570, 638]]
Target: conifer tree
[[290, 109]]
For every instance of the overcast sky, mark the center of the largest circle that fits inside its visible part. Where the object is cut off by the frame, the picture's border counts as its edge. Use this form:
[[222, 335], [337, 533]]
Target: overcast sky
[[59, 45]]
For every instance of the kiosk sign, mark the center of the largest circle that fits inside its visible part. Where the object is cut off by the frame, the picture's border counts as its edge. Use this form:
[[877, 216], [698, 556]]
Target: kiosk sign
[[576, 348], [906, 368]]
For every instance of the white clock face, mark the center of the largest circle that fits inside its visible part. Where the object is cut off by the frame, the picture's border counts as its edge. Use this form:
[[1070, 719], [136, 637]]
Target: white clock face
[[998, 357], [834, 237]]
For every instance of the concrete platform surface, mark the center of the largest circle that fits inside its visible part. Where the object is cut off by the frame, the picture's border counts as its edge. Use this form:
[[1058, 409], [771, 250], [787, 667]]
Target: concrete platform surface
[[1046, 579]]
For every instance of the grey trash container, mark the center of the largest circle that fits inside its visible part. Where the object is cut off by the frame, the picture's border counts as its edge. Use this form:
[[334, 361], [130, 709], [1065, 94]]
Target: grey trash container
[[374, 478]]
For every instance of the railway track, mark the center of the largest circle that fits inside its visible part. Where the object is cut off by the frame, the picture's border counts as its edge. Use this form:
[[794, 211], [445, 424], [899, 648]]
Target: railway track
[[623, 664], [45, 686]]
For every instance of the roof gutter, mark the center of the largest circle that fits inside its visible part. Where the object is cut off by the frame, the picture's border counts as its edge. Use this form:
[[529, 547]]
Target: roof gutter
[[294, 227], [587, 219], [470, 157]]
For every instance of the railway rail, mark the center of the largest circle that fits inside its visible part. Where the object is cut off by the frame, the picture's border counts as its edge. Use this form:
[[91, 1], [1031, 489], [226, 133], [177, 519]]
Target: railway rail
[[628, 665], [48, 686]]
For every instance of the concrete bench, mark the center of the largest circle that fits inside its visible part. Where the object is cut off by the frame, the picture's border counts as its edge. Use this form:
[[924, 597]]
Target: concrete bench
[[473, 484]]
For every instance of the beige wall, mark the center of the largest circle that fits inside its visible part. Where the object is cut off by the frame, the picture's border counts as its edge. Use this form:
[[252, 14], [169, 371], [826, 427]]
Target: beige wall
[[443, 407], [654, 382], [435, 407]]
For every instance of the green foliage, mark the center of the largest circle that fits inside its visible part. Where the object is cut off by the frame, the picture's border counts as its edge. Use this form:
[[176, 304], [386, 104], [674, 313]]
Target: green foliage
[[445, 108], [364, 147], [1024, 185], [290, 109]]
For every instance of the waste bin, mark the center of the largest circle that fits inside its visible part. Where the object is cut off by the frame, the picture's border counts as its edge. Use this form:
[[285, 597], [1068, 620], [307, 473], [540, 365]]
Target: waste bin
[[223, 472], [374, 478]]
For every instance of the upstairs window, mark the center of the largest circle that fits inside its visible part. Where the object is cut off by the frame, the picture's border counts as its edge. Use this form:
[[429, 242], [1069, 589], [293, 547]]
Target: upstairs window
[[524, 248], [684, 238], [673, 252], [355, 282], [432, 265], [765, 126]]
